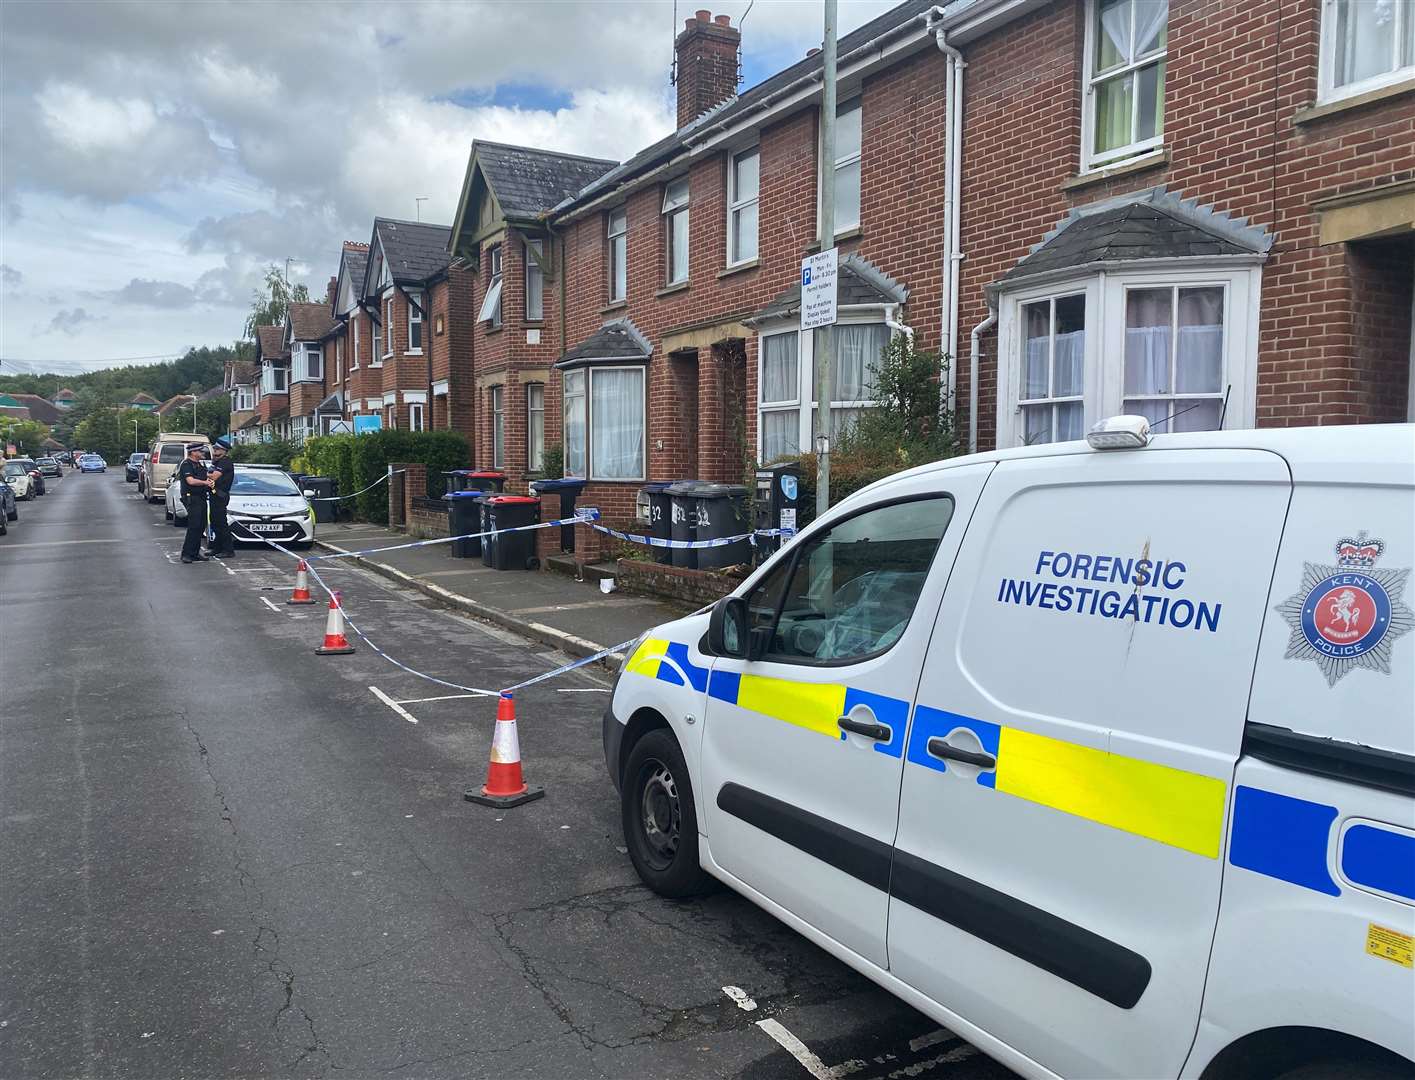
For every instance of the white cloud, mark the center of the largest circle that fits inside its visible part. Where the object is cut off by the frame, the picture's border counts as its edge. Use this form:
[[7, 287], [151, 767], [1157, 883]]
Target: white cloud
[[70, 320]]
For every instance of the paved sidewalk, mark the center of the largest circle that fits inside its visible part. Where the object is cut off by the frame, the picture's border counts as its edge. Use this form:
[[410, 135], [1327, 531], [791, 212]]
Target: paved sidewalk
[[549, 607]]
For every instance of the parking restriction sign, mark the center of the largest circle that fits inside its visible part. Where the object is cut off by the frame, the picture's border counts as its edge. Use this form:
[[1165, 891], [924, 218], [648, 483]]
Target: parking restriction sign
[[819, 275]]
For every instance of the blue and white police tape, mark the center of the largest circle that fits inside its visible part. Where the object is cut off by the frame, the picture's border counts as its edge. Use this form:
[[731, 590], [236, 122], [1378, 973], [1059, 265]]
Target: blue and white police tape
[[479, 691], [335, 498], [717, 541], [443, 540]]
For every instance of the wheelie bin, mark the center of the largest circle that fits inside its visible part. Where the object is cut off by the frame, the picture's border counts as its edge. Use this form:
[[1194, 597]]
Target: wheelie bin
[[569, 489], [464, 516], [660, 520], [722, 511], [683, 523], [511, 551]]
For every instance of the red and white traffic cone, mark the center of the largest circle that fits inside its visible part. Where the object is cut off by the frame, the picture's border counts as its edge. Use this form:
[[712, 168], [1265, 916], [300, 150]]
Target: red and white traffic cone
[[301, 595], [334, 640], [505, 786]]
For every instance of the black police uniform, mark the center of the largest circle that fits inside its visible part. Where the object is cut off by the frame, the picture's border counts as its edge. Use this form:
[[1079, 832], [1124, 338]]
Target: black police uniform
[[224, 471], [196, 506]]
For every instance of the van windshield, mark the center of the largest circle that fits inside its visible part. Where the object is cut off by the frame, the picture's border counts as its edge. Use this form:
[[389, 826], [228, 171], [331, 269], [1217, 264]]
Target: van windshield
[[263, 483]]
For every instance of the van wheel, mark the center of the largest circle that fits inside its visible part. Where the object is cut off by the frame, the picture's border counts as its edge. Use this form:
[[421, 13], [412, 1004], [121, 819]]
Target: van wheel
[[1339, 1069], [660, 818]]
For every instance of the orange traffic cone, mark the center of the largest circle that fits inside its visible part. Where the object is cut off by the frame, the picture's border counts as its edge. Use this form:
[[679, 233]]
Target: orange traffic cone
[[505, 786], [334, 640], [301, 595]]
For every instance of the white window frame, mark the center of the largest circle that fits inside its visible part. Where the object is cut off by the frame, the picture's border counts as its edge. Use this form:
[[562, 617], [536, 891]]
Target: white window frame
[[415, 319], [497, 408], [583, 397], [388, 324], [589, 372], [534, 313], [490, 311], [535, 450], [617, 242], [302, 369], [805, 402], [1104, 376], [270, 384], [339, 358], [1327, 90], [415, 416], [843, 161], [676, 200], [1090, 160], [735, 205], [354, 357]]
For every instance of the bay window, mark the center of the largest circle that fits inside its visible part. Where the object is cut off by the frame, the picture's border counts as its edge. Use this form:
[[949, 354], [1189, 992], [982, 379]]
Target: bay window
[[788, 412], [308, 360], [1125, 68], [743, 184], [618, 241], [498, 427], [847, 167], [675, 230], [415, 322], [535, 426], [1366, 44], [274, 379], [535, 282], [1176, 346], [605, 423]]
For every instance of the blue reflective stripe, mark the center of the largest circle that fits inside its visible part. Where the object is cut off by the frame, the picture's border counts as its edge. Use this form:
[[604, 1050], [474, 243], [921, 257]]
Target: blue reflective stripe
[[888, 710], [1380, 859], [723, 685], [1282, 837], [678, 653], [669, 674], [930, 722]]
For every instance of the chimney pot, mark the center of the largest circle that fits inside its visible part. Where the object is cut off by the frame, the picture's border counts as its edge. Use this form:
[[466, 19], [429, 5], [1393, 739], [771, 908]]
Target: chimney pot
[[707, 64], [812, 52], [722, 20], [703, 15], [690, 24]]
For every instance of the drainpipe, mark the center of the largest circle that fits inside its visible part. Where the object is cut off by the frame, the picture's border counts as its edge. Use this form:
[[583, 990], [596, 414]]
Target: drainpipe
[[891, 320], [952, 182], [978, 331]]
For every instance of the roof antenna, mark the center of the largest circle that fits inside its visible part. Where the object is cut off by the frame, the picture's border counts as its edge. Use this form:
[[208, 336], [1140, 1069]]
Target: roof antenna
[[418, 201], [1224, 411], [673, 65], [740, 23], [1177, 412]]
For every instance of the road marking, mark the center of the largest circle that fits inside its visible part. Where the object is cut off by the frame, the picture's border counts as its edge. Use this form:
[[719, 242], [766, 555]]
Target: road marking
[[933, 1038], [740, 996], [581, 690], [58, 543], [797, 1049], [271, 606], [404, 713], [444, 697]]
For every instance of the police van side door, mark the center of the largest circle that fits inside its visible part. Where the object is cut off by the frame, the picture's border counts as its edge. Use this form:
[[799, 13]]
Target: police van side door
[[802, 749], [1068, 771]]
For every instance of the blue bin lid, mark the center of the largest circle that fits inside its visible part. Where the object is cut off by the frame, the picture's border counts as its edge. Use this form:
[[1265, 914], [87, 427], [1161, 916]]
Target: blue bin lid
[[464, 495], [565, 483]]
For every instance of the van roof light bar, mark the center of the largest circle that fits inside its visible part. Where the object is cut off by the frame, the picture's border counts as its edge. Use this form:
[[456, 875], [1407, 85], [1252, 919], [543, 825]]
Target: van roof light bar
[[1119, 433]]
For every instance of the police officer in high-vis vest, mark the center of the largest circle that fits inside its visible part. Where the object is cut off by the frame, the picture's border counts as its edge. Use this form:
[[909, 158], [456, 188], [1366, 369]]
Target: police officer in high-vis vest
[[196, 486], [222, 471]]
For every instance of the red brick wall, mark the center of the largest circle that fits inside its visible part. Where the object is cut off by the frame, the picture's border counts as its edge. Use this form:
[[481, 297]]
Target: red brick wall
[[707, 65], [1236, 76]]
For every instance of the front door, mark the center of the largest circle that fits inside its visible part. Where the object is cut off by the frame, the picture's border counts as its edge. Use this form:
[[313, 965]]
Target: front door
[[803, 749], [1068, 771]]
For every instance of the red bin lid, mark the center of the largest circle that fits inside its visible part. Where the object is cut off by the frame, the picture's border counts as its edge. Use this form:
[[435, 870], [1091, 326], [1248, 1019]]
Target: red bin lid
[[498, 500], [485, 474]]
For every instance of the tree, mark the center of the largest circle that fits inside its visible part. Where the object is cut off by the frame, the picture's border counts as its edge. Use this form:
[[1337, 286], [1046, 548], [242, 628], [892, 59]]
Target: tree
[[27, 435], [269, 308], [110, 432]]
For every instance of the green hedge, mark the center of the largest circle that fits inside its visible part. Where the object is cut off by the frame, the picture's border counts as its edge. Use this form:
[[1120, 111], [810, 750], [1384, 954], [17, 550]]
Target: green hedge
[[357, 461]]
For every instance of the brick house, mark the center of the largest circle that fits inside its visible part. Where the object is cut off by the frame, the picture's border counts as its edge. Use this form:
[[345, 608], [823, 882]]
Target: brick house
[[239, 380], [272, 416], [1208, 212], [66, 398], [307, 329], [352, 378], [516, 307]]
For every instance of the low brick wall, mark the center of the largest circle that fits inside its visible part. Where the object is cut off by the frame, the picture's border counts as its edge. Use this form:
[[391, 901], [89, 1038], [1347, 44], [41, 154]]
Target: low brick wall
[[427, 518], [696, 587]]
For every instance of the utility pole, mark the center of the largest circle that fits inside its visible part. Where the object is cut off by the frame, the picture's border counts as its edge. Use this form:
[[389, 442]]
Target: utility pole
[[825, 336]]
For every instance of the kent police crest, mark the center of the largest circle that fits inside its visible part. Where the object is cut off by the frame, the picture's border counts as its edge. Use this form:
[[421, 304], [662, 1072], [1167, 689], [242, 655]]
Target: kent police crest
[[1347, 615]]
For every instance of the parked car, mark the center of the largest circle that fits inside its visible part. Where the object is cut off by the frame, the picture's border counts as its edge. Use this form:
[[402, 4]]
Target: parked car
[[9, 508], [19, 479], [265, 503], [92, 463], [38, 477], [49, 466], [164, 455], [64, 456], [1095, 752], [132, 468]]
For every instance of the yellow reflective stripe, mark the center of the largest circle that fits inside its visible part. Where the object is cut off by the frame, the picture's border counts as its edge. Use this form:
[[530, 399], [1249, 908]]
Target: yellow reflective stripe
[[815, 706], [647, 656], [1175, 807]]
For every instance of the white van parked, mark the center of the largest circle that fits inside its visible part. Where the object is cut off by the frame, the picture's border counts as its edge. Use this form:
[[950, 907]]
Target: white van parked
[[1102, 755]]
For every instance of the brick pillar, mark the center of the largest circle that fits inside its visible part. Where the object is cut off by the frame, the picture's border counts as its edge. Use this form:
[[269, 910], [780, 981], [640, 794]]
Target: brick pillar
[[414, 484], [548, 540], [397, 506], [586, 544]]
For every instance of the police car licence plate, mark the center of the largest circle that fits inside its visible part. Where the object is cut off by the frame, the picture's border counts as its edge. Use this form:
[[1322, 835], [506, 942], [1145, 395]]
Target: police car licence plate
[[269, 526]]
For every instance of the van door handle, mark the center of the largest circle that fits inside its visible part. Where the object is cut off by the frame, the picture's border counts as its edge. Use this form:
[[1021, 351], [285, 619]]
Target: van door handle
[[942, 748], [879, 732]]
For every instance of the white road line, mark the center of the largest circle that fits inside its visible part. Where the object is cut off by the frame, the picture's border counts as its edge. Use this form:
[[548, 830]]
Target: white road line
[[444, 697], [933, 1038], [797, 1049], [58, 543], [582, 690], [268, 604], [740, 996], [404, 713]]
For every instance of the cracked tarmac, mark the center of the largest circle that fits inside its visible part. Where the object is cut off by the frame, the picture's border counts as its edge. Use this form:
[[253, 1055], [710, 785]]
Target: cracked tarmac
[[221, 855]]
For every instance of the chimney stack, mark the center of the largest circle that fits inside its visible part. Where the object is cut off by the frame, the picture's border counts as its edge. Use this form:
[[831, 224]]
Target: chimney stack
[[333, 288], [707, 64]]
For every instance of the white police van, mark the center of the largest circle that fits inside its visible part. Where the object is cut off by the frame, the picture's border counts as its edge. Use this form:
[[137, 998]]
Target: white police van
[[1101, 755]]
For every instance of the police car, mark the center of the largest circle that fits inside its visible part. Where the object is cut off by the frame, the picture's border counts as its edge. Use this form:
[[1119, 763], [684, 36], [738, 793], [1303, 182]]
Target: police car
[[265, 503], [1101, 754]]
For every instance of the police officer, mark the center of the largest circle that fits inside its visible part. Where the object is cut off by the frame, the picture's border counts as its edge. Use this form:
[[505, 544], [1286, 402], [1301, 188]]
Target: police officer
[[196, 485], [222, 472]]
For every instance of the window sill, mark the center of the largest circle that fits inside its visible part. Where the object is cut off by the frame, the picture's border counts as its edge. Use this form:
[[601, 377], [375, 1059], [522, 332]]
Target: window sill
[[495, 329], [737, 268], [1336, 107], [413, 352], [1150, 160], [676, 287], [842, 237], [614, 305]]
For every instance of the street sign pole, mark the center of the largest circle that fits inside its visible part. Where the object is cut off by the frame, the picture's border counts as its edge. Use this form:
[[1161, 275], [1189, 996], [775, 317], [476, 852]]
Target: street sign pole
[[825, 336]]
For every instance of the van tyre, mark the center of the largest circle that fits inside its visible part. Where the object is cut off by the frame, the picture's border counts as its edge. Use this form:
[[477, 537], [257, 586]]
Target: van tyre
[[660, 818]]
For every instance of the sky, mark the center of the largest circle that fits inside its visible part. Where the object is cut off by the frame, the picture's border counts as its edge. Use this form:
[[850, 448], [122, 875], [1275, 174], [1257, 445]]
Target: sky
[[156, 157]]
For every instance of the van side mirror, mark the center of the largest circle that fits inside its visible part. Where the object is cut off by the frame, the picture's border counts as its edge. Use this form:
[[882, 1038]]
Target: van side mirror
[[727, 627], [309, 493]]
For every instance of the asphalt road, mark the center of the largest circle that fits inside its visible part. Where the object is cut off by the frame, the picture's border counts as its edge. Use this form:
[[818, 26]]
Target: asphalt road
[[222, 855]]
